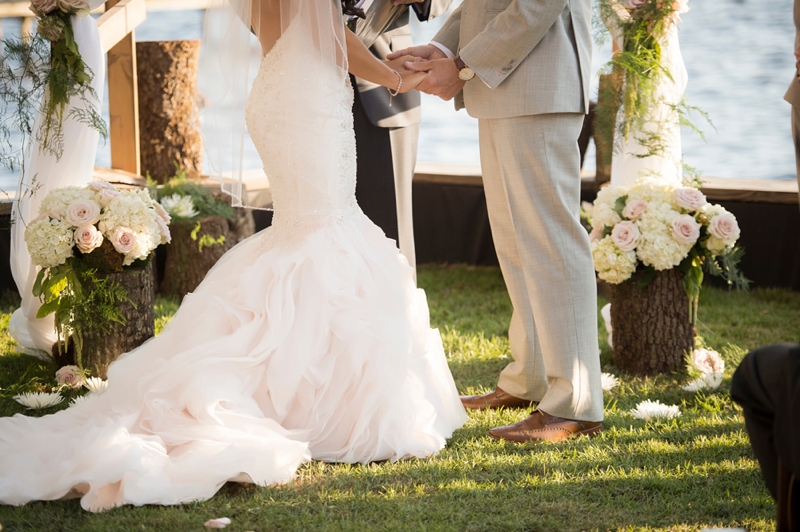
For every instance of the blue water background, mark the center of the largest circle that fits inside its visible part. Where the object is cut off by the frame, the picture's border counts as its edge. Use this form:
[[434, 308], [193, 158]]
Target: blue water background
[[738, 54]]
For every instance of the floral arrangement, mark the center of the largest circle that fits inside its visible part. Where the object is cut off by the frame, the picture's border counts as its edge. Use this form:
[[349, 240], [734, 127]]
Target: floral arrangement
[[642, 25], [707, 368], [656, 225], [69, 379], [83, 231], [48, 64]]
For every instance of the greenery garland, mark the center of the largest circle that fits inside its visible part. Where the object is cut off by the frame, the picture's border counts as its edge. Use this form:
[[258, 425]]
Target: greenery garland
[[48, 65], [629, 101]]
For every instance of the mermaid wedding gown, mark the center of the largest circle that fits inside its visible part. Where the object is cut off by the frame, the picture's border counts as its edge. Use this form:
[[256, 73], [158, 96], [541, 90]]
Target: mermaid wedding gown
[[307, 341]]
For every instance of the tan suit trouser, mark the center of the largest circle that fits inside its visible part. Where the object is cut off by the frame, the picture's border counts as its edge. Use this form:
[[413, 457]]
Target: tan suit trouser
[[531, 175]]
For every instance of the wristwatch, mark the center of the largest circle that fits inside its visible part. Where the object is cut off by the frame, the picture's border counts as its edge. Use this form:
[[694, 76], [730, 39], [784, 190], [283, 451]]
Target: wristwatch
[[465, 73]]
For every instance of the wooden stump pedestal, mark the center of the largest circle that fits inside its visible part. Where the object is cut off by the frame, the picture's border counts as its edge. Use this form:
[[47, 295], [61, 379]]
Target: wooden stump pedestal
[[100, 351], [186, 264], [652, 328]]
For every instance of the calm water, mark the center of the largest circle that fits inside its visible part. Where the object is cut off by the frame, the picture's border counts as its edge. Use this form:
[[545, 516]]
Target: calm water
[[738, 54]]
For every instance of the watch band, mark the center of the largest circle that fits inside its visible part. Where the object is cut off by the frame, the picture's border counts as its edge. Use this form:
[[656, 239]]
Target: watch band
[[459, 62]]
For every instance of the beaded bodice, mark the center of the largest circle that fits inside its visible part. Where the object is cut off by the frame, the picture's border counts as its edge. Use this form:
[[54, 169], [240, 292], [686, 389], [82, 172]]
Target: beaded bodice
[[299, 117]]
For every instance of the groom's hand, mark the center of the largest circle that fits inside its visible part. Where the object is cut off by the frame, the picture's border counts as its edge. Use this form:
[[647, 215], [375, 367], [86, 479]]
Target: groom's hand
[[442, 80], [425, 51]]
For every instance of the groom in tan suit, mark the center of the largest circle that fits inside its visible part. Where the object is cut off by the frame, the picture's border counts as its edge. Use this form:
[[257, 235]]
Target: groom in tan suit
[[793, 94], [522, 67]]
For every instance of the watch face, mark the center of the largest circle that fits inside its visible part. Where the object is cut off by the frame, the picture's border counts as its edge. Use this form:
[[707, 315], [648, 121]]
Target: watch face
[[466, 74]]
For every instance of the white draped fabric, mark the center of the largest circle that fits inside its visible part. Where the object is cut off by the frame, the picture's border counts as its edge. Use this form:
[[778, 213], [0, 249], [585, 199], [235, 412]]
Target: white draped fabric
[[627, 164], [43, 172]]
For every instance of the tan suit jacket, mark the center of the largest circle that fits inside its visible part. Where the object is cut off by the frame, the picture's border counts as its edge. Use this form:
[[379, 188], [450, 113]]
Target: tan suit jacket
[[793, 94], [532, 56]]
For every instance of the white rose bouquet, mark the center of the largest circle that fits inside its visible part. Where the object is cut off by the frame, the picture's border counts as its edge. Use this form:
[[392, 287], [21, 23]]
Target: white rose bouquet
[[655, 226], [81, 234]]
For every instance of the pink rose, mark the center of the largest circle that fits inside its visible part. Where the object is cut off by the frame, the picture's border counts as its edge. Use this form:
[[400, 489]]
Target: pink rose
[[43, 7], [689, 198], [625, 235], [71, 376], [685, 229], [725, 227], [166, 237], [98, 185], [680, 6], [162, 212], [633, 4], [83, 212], [77, 7], [596, 234], [106, 195], [88, 238], [124, 240], [708, 361], [634, 209]]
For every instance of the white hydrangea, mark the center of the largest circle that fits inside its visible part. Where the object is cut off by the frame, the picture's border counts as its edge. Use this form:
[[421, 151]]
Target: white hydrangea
[[58, 200], [612, 264], [180, 206], [604, 213], [657, 246], [50, 242], [136, 211]]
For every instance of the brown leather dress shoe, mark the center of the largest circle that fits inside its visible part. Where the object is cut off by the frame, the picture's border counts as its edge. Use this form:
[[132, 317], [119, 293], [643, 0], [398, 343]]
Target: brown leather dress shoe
[[541, 426], [496, 399]]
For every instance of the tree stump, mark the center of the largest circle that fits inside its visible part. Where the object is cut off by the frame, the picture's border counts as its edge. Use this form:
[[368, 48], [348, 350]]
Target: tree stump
[[190, 257], [652, 329], [100, 350], [167, 74]]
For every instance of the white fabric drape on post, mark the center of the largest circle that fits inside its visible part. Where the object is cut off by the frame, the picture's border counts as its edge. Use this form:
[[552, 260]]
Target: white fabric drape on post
[[627, 165], [43, 172]]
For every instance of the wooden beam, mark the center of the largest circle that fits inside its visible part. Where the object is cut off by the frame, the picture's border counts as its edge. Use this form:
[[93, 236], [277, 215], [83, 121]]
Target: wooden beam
[[120, 21], [123, 101]]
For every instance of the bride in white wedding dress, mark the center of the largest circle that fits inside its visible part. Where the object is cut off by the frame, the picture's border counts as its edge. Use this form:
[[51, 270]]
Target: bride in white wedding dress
[[307, 341]]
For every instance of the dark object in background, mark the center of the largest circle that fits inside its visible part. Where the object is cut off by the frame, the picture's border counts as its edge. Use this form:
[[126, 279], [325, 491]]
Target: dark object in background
[[767, 386]]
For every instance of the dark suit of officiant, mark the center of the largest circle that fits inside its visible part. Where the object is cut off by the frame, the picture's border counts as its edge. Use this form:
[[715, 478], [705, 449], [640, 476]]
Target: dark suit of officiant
[[386, 138]]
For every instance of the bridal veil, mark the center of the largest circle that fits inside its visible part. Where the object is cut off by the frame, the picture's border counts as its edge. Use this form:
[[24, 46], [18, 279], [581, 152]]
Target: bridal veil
[[237, 35]]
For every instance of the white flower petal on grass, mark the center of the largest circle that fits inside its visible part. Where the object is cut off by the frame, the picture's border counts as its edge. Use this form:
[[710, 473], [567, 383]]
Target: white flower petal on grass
[[708, 381], [38, 400], [708, 361], [96, 385], [650, 410], [608, 381], [220, 522]]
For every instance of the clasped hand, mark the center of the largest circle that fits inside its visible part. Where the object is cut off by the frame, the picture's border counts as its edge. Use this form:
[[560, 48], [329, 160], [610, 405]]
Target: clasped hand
[[439, 73]]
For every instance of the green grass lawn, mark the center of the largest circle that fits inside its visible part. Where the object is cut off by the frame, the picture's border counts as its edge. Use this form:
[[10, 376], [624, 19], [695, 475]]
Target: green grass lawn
[[690, 473]]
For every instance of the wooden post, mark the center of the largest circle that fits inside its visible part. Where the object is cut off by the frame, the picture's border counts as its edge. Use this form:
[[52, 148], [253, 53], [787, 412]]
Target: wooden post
[[123, 103]]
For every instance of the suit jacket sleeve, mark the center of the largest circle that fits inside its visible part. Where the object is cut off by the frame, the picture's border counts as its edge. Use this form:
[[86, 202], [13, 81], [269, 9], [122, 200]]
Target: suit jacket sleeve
[[449, 34], [508, 39]]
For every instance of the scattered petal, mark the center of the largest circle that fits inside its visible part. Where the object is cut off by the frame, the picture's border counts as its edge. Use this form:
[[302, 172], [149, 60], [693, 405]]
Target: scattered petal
[[707, 381], [608, 381], [220, 522], [650, 410], [96, 385], [38, 400], [502, 356]]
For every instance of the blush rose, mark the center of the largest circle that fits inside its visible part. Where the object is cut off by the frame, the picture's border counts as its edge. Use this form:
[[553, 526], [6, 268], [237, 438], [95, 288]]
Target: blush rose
[[625, 235], [725, 227], [83, 212], [88, 238], [123, 239], [685, 229]]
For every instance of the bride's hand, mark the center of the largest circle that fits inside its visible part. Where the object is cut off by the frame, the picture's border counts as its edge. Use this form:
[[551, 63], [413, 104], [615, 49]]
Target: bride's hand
[[399, 64], [411, 80]]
